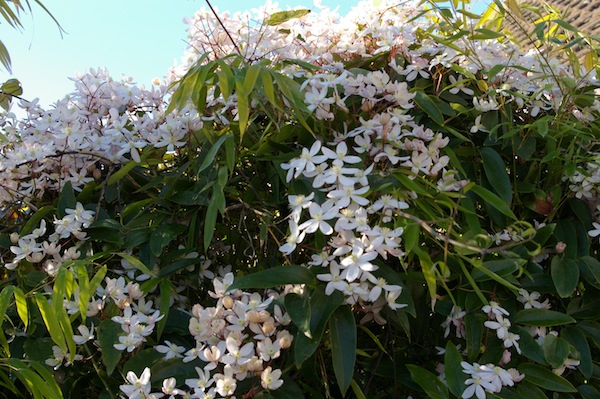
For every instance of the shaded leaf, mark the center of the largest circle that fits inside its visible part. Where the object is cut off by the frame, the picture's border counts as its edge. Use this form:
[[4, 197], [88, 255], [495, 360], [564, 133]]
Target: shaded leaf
[[542, 318], [342, 330], [430, 383], [108, 334], [274, 277], [545, 378]]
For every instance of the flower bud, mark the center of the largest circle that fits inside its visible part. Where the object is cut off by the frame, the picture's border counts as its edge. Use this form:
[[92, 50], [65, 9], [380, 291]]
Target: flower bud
[[228, 302], [560, 247]]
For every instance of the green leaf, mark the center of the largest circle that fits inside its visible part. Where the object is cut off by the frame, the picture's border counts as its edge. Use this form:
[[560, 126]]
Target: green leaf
[[454, 374], [495, 171], [591, 270], [210, 156], [163, 235], [556, 350], [498, 267], [5, 298], [298, 307], [565, 275], [108, 334], [34, 220], [494, 201], [250, 79], [430, 382], [545, 378], [243, 113], [51, 321], [66, 200], [576, 337], [342, 330], [121, 173], [210, 221], [274, 277], [277, 18], [322, 306], [22, 310], [529, 346], [425, 102], [474, 332], [166, 289], [542, 318], [50, 385], [135, 262]]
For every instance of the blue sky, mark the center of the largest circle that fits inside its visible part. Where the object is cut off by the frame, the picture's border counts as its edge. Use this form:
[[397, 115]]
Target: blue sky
[[138, 38]]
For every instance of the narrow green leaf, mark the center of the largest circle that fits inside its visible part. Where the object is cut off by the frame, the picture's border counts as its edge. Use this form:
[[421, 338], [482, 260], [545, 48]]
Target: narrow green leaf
[[542, 318], [274, 277], [66, 200], [495, 171], [5, 298], [51, 321], [84, 290], [243, 113], [373, 338], [230, 155], [545, 378], [210, 156], [22, 309], [97, 279], [210, 221], [430, 382], [356, 390], [268, 87], [34, 220], [493, 200], [52, 388], [298, 307], [135, 262], [342, 330], [166, 289], [250, 79], [429, 107], [277, 18], [121, 173], [565, 275], [454, 374], [63, 289]]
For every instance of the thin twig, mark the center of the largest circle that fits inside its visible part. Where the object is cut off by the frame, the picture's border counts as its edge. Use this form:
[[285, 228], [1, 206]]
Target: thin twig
[[224, 28]]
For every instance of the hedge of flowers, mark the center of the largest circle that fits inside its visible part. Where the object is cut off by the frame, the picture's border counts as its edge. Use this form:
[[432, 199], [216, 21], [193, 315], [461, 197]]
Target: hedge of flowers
[[398, 202]]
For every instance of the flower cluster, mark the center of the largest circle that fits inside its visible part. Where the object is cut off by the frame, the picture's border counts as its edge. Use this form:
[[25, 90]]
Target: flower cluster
[[237, 339], [487, 378], [102, 123], [51, 249]]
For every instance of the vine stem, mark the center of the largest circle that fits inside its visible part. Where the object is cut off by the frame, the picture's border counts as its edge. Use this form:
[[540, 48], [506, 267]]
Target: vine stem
[[224, 28]]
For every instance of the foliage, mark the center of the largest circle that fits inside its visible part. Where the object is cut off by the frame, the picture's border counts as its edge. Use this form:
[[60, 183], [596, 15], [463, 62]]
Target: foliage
[[399, 202], [11, 12]]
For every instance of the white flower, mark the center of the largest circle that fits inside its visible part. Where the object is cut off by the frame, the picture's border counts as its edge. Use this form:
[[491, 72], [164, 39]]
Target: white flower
[[170, 350], [319, 216], [138, 386], [86, 334]]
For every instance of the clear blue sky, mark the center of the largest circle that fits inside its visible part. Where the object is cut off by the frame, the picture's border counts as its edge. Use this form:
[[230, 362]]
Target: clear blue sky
[[138, 38]]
